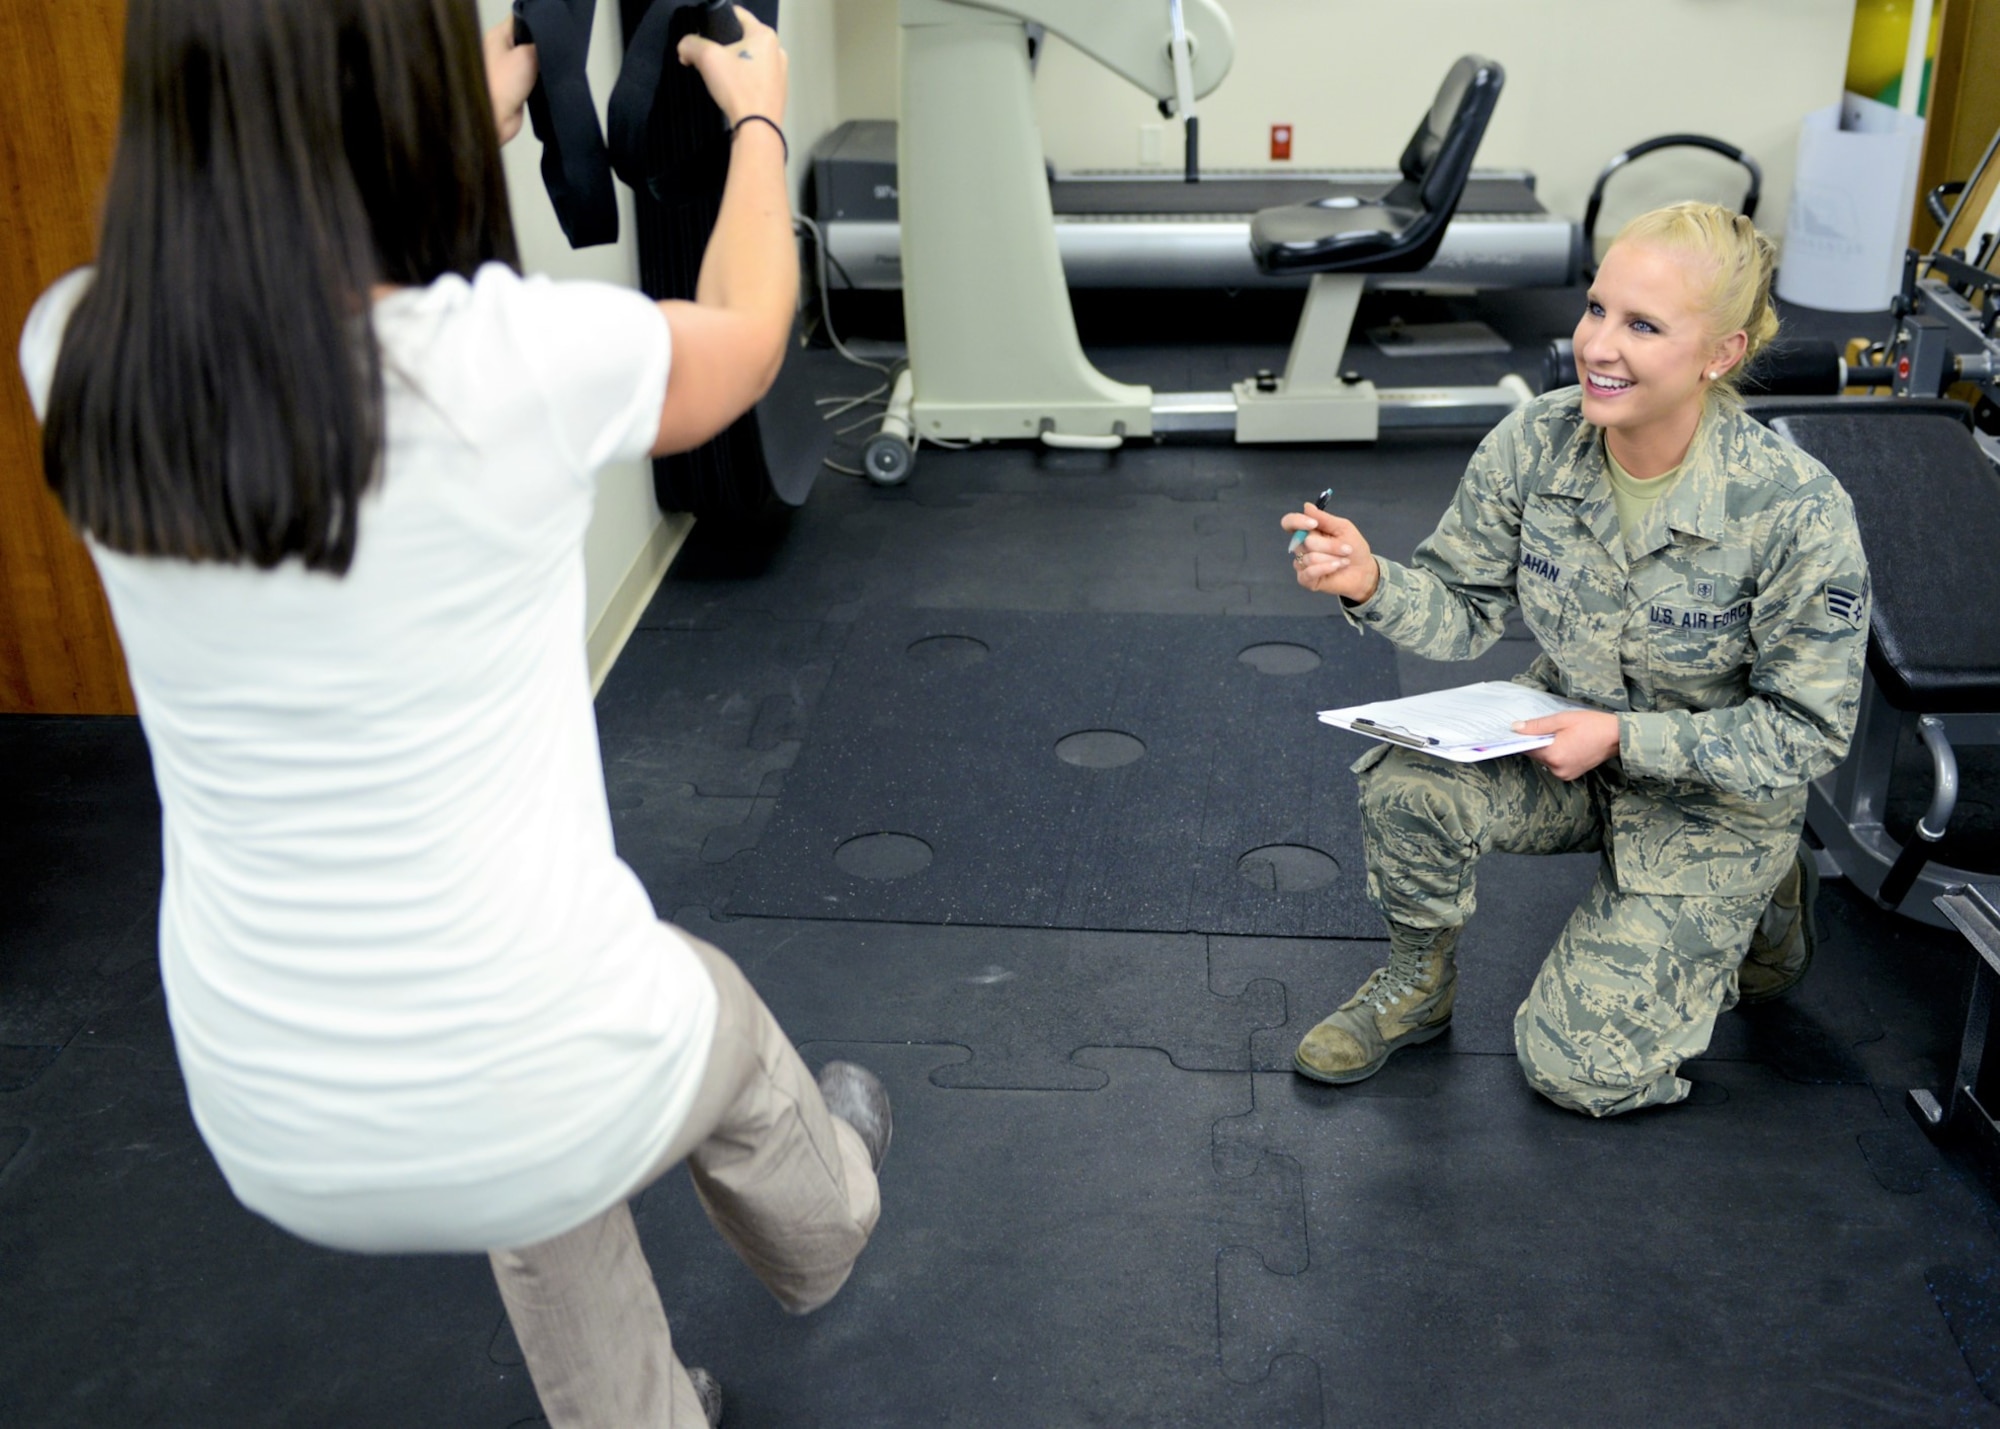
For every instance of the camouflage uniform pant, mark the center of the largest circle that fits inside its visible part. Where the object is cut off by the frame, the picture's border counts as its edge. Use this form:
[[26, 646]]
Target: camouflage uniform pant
[[1634, 983]]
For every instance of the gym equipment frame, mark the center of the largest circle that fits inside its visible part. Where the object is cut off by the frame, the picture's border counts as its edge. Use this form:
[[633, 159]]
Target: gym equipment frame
[[994, 353]]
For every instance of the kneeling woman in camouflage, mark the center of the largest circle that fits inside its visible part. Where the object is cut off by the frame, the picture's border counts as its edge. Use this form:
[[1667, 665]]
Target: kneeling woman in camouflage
[[1699, 585]]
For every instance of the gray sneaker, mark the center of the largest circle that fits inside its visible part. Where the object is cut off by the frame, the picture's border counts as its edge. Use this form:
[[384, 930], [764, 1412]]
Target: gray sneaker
[[857, 1096], [708, 1389]]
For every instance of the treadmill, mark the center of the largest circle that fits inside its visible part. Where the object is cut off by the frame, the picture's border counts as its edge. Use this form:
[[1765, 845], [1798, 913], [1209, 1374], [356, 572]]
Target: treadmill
[[1155, 230]]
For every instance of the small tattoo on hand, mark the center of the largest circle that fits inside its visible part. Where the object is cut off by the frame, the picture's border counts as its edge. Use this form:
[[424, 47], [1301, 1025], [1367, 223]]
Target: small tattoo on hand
[[745, 55]]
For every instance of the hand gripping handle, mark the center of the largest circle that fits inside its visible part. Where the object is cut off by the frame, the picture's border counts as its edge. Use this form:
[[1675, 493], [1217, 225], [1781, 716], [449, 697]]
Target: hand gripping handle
[[719, 22]]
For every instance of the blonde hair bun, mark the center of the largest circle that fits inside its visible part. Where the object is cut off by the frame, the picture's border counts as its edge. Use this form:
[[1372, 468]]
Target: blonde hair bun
[[1737, 260]]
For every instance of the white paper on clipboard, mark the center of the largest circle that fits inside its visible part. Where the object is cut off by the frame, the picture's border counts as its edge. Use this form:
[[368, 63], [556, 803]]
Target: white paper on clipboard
[[1465, 725]]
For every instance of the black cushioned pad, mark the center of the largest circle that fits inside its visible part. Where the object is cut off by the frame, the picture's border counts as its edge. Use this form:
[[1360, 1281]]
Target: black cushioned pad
[[942, 726], [1928, 503], [1219, 195], [1480, 1257]]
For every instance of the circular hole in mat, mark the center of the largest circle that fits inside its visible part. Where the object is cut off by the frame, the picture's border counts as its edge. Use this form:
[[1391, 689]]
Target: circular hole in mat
[[1099, 748], [1287, 868], [883, 856], [948, 650], [1279, 658]]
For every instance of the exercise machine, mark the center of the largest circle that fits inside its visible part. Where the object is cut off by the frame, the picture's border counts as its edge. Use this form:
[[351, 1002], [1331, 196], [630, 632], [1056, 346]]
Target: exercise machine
[[993, 348], [1971, 1099], [1153, 230], [1921, 470]]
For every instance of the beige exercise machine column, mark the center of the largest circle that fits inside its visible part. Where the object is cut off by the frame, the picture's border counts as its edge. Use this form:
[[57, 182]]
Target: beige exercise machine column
[[1314, 401], [994, 353]]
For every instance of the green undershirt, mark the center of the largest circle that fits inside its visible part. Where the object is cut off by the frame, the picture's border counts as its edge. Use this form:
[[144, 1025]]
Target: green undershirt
[[1633, 497]]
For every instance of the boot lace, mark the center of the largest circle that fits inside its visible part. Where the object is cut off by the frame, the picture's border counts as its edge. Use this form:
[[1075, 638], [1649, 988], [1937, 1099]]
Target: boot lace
[[1403, 977]]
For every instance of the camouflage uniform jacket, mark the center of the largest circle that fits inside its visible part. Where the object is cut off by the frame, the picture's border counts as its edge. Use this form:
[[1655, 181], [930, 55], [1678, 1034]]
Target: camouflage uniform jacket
[[1731, 647]]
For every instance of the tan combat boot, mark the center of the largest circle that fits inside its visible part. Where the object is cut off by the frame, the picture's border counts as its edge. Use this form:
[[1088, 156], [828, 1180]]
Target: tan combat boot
[[1401, 1005], [1782, 947]]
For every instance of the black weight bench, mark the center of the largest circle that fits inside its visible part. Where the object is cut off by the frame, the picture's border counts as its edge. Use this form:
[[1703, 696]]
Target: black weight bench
[[1927, 499]]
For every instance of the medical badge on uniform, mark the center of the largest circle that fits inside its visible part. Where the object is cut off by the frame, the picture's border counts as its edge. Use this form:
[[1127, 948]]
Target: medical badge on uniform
[[1843, 604], [1704, 590]]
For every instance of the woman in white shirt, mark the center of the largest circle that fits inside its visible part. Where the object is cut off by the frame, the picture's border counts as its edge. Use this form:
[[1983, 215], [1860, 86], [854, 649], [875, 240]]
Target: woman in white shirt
[[419, 1002]]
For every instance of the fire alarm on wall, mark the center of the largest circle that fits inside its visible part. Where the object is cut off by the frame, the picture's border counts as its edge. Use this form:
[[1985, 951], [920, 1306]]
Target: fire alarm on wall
[[1281, 141]]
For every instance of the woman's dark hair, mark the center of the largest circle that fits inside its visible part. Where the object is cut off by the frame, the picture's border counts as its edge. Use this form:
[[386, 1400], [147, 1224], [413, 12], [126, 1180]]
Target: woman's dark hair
[[219, 395]]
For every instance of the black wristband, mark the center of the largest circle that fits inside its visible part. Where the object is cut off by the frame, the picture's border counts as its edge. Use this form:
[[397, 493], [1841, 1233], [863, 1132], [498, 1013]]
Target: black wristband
[[764, 119]]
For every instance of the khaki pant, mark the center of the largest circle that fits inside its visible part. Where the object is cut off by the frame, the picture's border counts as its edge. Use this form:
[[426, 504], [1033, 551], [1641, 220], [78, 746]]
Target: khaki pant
[[787, 1184], [1633, 985]]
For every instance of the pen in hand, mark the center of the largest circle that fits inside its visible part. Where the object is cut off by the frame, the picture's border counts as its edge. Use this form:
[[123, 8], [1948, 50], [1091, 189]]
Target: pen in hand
[[1299, 537]]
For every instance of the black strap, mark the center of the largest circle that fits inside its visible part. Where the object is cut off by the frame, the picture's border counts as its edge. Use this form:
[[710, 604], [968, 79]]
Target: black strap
[[667, 137], [576, 167], [632, 98]]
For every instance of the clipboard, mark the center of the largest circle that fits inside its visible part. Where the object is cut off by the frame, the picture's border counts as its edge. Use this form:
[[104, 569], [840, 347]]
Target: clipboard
[[1465, 724]]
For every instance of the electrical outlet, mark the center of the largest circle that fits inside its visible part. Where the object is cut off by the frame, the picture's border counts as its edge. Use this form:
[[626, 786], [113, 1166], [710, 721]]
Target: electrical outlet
[[1152, 147]]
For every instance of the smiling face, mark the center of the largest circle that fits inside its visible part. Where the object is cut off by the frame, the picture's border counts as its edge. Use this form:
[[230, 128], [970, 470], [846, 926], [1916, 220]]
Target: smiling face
[[1643, 349]]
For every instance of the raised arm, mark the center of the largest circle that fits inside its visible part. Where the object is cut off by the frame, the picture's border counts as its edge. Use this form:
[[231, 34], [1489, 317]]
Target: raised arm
[[730, 341], [1451, 601]]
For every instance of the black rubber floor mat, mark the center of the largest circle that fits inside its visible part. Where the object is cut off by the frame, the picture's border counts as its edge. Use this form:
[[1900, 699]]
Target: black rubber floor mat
[[1117, 772], [1021, 1001], [713, 711], [1481, 1257], [1523, 903], [147, 1295], [79, 873], [1043, 1258], [1970, 1301]]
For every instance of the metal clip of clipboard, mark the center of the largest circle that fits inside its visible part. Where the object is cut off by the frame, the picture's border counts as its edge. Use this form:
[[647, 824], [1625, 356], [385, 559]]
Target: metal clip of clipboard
[[1393, 734]]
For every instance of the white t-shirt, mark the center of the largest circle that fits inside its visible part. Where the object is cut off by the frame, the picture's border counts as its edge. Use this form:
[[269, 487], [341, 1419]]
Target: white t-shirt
[[419, 1001]]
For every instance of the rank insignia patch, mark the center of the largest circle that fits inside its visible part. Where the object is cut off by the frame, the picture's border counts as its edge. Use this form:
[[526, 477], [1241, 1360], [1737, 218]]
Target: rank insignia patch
[[1843, 604]]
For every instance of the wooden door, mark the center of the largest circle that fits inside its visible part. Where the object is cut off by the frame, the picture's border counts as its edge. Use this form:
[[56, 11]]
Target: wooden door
[[1964, 104], [59, 82]]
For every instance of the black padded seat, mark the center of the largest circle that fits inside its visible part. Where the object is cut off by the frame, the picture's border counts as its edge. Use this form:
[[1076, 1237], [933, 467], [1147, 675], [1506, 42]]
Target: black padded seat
[[1399, 232], [1927, 499]]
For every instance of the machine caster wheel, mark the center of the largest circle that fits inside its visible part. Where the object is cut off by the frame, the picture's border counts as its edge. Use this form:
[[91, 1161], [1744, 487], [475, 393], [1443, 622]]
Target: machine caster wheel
[[887, 459]]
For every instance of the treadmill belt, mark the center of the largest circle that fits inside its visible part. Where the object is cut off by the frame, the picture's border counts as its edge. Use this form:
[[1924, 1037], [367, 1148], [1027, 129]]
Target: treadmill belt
[[1219, 195], [1089, 771]]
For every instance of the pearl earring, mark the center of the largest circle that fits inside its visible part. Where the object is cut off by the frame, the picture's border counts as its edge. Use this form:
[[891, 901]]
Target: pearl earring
[[1713, 375]]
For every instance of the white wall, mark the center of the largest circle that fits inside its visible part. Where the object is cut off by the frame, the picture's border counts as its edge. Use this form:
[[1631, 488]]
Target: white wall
[[1584, 81], [809, 31], [630, 543]]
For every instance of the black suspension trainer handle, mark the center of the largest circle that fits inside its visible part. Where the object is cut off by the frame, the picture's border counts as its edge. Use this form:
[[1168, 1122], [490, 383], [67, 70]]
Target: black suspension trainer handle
[[719, 22], [577, 160], [631, 122]]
